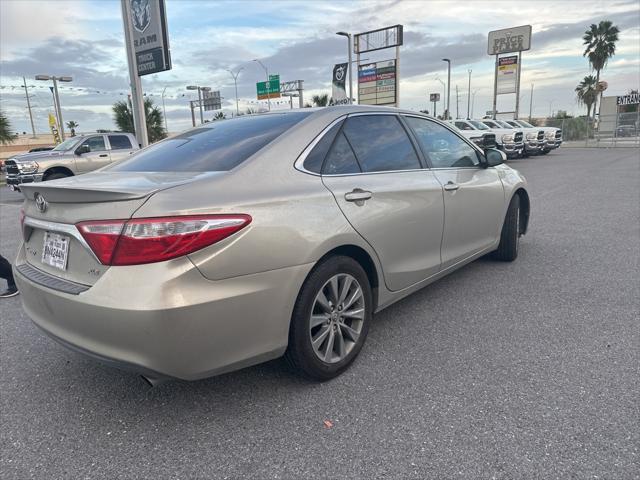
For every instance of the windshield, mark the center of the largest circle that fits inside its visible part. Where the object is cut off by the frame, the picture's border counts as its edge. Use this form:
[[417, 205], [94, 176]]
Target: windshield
[[506, 124], [478, 125], [524, 124], [491, 124], [66, 145], [216, 146]]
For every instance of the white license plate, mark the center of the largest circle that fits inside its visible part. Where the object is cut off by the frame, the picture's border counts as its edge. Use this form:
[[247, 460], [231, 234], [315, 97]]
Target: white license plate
[[55, 250]]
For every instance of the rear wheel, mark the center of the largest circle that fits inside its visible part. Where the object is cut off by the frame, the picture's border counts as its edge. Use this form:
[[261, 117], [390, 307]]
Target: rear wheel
[[331, 319], [510, 237]]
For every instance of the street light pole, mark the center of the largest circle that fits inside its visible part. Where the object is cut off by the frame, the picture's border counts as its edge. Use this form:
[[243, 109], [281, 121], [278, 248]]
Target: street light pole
[[56, 98], [530, 103], [469, 95], [26, 93], [235, 81], [448, 116], [200, 101], [348, 35], [268, 83], [164, 111]]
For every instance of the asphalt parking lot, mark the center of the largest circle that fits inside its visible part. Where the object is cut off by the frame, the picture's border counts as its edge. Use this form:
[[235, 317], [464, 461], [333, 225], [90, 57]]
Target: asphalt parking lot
[[499, 371]]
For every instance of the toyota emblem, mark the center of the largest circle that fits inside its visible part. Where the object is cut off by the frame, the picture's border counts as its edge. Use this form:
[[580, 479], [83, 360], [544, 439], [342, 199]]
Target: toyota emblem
[[41, 203]]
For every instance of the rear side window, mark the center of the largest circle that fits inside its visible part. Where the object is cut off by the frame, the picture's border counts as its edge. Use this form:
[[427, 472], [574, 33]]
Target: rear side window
[[313, 162], [463, 126], [120, 142], [380, 143], [217, 146], [341, 159]]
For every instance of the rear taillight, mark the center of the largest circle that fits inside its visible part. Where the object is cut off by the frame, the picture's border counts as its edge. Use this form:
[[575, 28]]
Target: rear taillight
[[149, 240]]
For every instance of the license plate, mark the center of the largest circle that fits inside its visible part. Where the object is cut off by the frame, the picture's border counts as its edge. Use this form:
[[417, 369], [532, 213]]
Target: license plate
[[55, 250]]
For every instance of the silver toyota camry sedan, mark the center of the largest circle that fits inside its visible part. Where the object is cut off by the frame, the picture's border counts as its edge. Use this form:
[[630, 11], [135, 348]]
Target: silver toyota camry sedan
[[265, 235]]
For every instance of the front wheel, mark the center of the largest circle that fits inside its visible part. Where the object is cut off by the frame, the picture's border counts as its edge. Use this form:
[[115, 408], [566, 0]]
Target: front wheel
[[331, 319], [510, 236]]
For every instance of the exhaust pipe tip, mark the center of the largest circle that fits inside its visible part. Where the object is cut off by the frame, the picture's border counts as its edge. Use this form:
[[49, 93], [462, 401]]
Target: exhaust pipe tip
[[153, 381]]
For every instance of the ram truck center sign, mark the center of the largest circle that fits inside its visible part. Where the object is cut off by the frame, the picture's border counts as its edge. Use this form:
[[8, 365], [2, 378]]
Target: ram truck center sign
[[150, 38]]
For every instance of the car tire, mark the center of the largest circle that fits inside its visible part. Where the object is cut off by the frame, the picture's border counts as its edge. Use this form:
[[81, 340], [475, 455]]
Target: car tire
[[510, 236], [54, 176], [337, 326]]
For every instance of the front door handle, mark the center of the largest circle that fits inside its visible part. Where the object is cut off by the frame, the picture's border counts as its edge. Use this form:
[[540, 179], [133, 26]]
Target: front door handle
[[451, 187], [357, 195], [103, 155]]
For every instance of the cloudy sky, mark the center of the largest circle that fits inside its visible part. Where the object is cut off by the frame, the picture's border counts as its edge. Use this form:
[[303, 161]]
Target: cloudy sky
[[84, 39]]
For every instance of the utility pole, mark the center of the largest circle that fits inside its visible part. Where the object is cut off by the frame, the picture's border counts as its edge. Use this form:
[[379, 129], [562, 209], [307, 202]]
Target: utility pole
[[457, 103], [164, 111], [137, 102], [448, 115], [26, 93], [530, 103], [469, 96]]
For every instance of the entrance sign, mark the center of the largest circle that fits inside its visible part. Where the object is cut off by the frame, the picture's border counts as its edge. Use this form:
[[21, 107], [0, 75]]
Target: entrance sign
[[631, 99], [338, 91], [507, 70], [508, 74], [377, 83], [150, 38], [516, 39], [272, 90]]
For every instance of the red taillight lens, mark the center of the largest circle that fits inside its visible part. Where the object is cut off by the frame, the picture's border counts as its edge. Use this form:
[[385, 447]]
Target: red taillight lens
[[148, 240]]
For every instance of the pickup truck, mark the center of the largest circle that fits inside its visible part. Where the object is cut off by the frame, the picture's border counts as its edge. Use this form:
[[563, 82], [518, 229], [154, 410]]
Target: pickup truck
[[506, 140], [74, 156], [552, 135]]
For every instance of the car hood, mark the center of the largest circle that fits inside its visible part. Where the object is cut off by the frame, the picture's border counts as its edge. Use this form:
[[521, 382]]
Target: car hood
[[35, 156]]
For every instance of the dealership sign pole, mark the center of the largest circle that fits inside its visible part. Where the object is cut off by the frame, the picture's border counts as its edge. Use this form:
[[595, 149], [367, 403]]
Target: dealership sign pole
[[507, 69], [147, 45]]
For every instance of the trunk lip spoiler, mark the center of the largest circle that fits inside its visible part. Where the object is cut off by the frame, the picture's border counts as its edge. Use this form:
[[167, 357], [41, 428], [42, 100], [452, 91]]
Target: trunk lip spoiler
[[67, 228]]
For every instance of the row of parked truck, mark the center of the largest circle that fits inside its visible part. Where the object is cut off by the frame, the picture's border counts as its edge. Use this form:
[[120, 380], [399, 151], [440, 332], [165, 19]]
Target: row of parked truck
[[516, 138]]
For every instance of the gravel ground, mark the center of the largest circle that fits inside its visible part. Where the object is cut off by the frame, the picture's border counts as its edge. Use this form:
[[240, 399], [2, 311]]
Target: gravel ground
[[499, 371]]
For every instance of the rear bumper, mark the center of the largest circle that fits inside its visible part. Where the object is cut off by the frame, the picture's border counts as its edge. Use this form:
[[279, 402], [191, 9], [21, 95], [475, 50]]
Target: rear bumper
[[166, 319]]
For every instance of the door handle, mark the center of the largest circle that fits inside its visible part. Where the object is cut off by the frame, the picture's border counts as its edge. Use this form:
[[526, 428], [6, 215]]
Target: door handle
[[357, 195], [451, 187], [103, 155]]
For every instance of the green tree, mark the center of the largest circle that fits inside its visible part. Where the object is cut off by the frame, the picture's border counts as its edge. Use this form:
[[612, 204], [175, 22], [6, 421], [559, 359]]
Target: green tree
[[123, 117], [600, 41], [71, 125], [586, 92], [6, 136], [219, 116], [321, 100]]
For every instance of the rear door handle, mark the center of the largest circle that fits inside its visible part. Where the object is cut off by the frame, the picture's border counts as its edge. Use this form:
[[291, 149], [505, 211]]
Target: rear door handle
[[450, 186], [357, 195]]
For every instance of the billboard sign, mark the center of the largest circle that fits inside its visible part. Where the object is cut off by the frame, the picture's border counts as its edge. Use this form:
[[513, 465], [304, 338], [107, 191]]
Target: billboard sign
[[516, 39], [150, 37], [269, 90], [378, 39], [434, 97], [211, 100], [338, 91], [507, 74], [377, 83]]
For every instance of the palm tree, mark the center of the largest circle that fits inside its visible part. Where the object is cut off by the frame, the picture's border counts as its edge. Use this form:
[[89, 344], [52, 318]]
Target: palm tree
[[219, 116], [6, 136], [71, 125], [587, 92], [123, 117], [320, 100], [601, 46]]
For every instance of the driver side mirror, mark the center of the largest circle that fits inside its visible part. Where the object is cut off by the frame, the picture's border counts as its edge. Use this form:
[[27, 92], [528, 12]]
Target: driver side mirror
[[83, 149], [494, 157]]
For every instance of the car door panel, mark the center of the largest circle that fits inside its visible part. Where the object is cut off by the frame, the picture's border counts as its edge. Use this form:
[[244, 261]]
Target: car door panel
[[98, 157]]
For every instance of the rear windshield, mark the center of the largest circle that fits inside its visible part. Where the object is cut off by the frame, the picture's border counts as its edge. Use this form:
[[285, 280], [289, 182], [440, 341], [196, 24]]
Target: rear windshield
[[217, 146]]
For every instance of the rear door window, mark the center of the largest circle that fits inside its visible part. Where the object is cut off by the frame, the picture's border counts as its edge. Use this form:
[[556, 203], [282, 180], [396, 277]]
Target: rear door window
[[120, 142], [216, 146], [341, 159], [313, 162], [380, 143]]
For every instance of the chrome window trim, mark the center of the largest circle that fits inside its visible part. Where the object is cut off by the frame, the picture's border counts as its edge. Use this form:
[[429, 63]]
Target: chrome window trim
[[299, 163], [67, 228]]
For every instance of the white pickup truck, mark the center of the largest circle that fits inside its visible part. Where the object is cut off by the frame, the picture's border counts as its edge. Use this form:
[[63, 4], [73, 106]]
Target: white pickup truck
[[552, 135], [507, 140]]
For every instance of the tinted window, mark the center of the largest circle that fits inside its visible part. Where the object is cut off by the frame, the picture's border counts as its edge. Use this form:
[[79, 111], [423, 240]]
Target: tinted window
[[478, 125], [463, 126], [380, 143], [96, 144], [119, 142], [217, 146], [341, 159], [443, 147], [313, 162], [491, 124]]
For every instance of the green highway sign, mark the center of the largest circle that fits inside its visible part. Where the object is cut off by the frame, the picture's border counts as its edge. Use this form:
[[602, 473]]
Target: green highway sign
[[270, 90]]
